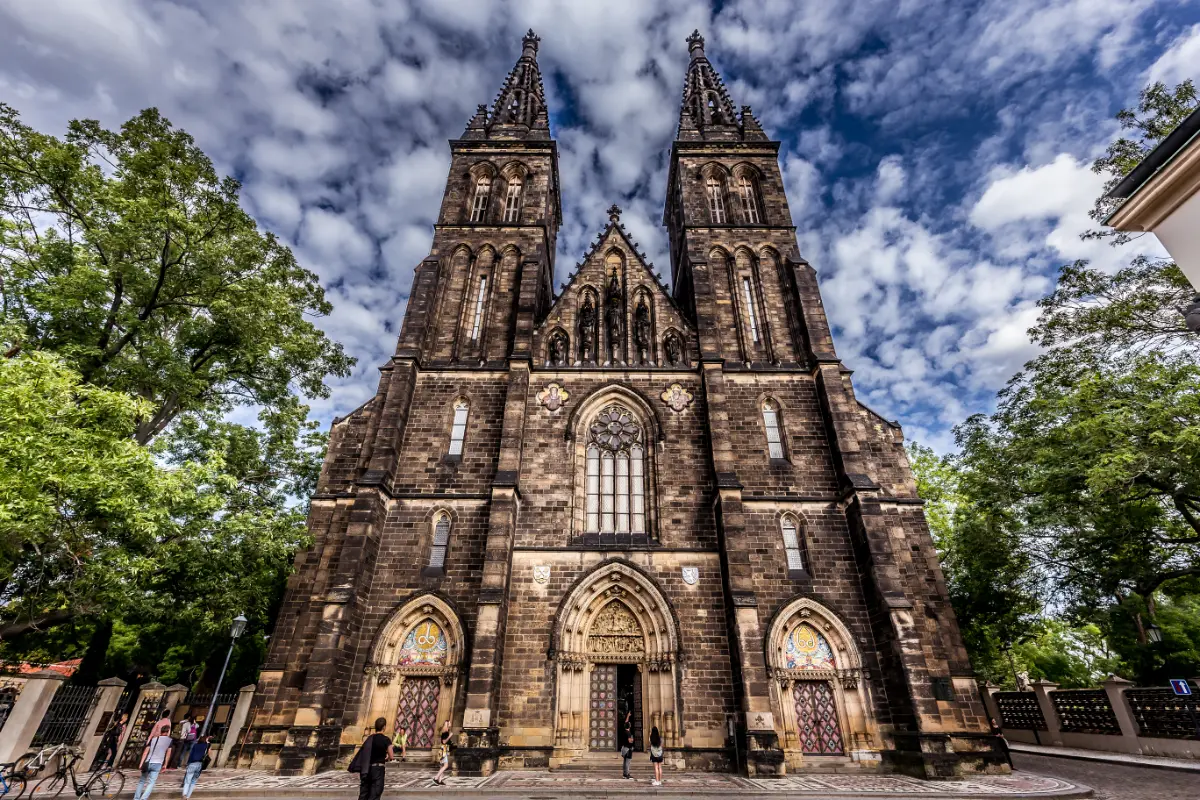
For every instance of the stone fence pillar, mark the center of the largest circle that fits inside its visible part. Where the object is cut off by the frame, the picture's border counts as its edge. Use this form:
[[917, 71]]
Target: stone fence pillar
[[1115, 688], [27, 713], [93, 729], [1043, 689], [237, 721], [148, 697]]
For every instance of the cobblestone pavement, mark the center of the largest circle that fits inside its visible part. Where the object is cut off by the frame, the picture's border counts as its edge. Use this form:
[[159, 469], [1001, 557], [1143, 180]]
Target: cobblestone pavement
[[1115, 781], [247, 784]]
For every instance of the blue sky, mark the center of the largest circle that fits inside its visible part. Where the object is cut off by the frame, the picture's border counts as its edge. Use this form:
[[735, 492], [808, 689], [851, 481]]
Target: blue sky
[[936, 154]]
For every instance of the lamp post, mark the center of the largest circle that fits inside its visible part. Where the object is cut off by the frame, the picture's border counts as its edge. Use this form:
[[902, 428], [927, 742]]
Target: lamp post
[[239, 627], [1153, 634]]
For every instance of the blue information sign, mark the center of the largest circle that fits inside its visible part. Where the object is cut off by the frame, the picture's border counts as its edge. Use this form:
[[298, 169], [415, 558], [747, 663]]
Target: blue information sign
[[1181, 687]]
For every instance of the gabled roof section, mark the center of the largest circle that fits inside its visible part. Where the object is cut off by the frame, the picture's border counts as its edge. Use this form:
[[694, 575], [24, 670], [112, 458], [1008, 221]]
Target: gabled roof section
[[615, 228], [707, 112], [519, 111]]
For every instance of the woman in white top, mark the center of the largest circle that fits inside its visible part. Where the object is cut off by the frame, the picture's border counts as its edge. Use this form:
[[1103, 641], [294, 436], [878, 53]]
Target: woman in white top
[[157, 753]]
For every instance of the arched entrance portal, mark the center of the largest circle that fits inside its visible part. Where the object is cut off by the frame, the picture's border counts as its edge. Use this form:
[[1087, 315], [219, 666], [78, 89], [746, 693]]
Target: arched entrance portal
[[617, 652], [412, 678], [823, 707]]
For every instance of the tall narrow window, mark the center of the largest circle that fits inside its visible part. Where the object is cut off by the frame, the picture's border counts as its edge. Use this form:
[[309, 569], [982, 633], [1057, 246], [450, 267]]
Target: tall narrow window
[[749, 200], [458, 430], [441, 541], [716, 200], [512, 201], [480, 301], [483, 190], [791, 544], [770, 413], [616, 474], [751, 316]]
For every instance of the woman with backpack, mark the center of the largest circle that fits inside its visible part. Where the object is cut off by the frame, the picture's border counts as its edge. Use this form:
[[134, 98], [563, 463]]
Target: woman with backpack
[[656, 755]]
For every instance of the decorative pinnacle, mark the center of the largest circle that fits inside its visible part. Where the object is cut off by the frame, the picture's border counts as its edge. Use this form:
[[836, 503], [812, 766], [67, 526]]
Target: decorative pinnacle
[[695, 44], [529, 44], [614, 213]]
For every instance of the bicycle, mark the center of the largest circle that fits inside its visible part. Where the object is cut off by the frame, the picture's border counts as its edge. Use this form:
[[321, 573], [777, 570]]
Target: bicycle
[[105, 782], [31, 764], [12, 783]]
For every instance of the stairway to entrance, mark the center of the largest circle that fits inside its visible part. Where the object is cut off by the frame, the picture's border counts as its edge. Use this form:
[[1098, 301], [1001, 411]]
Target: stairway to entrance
[[609, 763]]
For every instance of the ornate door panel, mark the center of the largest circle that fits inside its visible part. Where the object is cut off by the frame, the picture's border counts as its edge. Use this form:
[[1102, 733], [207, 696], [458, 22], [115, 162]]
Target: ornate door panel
[[418, 711], [638, 737], [603, 710], [817, 719]]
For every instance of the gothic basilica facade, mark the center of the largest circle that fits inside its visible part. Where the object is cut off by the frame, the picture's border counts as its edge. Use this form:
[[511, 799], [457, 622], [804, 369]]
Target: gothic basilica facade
[[621, 502]]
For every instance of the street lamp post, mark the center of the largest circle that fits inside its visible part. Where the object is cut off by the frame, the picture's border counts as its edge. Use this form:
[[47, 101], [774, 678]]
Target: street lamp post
[[239, 626], [1153, 634]]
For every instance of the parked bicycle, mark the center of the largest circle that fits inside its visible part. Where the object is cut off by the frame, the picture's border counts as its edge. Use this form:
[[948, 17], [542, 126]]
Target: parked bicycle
[[31, 764], [12, 783], [100, 783]]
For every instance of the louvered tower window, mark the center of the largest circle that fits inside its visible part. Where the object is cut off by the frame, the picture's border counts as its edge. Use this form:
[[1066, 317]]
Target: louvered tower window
[[458, 429], [770, 412], [441, 542], [483, 190], [480, 302], [791, 544], [512, 201], [749, 200], [716, 200], [751, 316]]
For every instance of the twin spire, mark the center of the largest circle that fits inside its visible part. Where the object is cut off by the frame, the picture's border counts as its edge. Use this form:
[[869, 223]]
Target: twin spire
[[706, 113]]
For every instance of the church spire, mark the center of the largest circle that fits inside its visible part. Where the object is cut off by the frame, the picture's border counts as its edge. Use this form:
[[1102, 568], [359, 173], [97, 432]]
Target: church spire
[[520, 108], [706, 111]]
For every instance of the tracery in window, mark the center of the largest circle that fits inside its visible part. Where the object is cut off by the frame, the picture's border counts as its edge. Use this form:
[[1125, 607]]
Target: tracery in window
[[770, 413], [458, 429], [791, 543], [749, 200], [441, 541], [480, 302], [512, 201], [716, 199], [616, 473], [751, 315], [483, 191]]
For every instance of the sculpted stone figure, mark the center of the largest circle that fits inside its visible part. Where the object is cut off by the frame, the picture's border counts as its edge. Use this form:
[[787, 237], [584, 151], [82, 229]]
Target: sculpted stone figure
[[558, 350], [587, 330], [641, 329], [612, 315], [673, 349]]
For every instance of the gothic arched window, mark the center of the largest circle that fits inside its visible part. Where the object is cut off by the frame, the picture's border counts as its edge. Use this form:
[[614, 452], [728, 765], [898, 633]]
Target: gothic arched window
[[716, 199], [479, 205], [458, 429], [770, 414], [751, 312], [480, 304], [749, 194], [792, 546], [512, 200], [441, 541], [616, 473]]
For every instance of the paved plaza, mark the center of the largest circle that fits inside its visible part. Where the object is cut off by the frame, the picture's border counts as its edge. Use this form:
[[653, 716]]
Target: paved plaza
[[244, 784], [1113, 781]]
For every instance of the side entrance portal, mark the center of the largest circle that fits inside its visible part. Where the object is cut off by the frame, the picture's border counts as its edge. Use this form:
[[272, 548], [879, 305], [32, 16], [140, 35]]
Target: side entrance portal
[[418, 711]]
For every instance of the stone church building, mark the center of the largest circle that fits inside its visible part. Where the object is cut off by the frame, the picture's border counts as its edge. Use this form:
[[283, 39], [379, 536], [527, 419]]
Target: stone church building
[[621, 501]]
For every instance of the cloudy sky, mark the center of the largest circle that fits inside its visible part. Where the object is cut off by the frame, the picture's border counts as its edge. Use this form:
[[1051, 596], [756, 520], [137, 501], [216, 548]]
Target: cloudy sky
[[936, 153]]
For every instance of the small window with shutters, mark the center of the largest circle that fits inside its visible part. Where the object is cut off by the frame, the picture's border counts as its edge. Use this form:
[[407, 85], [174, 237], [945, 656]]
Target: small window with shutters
[[793, 547], [479, 205], [439, 545], [770, 413], [512, 201], [716, 199]]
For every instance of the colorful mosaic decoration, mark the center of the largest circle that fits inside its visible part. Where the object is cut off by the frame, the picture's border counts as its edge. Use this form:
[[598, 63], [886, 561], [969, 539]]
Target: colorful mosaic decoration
[[425, 644], [807, 649], [418, 711], [816, 713], [603, 711]]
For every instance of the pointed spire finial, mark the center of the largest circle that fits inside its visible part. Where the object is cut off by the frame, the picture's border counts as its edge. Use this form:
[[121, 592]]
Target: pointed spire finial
[[614, 213], [695, 44], [529, 44]]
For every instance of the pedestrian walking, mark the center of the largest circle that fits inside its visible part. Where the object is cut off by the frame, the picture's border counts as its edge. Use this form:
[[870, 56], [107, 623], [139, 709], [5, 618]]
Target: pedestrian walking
[[443, 755], [626, 753], [197, 760], [374, 753], [156, 753], [188, 729], [401, 741], [163, 726], [112, 740], [656, 755]]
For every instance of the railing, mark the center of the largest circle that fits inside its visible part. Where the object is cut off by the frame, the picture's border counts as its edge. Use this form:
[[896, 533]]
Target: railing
[[66, 716], [10, 690], [1085, 711], [1020, 711], [1161, 714]]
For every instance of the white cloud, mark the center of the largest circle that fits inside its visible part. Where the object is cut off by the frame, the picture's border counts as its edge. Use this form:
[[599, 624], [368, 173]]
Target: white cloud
[[1180, 62]]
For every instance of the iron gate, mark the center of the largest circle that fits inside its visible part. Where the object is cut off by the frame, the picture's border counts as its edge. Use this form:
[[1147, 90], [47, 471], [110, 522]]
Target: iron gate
[[66, 716]]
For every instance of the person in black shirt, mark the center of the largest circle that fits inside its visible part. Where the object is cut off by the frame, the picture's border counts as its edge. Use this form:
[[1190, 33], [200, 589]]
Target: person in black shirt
[[376, 751]]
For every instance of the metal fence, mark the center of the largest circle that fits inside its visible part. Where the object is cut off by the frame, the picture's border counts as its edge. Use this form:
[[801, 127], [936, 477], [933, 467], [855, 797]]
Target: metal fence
[[1163, 715], [10, 690], [66, 716], [1020, 711], [197, 705], [1085, 711]]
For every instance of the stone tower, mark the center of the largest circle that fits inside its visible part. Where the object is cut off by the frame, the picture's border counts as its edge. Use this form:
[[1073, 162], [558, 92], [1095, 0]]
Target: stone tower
[[624, 502]]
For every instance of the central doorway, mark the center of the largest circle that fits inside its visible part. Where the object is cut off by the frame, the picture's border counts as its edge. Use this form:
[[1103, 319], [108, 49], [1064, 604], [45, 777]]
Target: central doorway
[[629, 701], [616, 693]]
